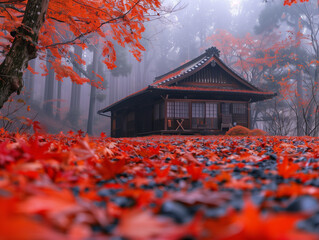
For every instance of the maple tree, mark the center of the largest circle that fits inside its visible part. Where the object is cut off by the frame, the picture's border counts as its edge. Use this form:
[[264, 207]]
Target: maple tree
[[285, 62], [299, 86], [31, 27], [260, 59]]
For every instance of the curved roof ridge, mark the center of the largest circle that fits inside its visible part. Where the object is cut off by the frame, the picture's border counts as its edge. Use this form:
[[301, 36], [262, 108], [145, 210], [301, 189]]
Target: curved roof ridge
[[239, 76], [212, 51]]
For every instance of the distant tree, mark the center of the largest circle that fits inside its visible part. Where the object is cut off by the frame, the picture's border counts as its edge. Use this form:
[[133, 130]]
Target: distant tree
[[92, 71], [74, 109], [49, 86], [300, 86], [124, 18], [258, 58], [123, 69]]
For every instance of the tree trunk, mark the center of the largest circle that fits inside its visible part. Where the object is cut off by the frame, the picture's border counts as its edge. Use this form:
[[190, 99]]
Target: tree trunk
[[22, 49], [29, 83], [92, 94], [300, 105], [254, 111], [112, 89], [74, 112], [49, 87], [116, 89], [137, 77], [315, 106], [310, 115], [146, 68], [59, 96]]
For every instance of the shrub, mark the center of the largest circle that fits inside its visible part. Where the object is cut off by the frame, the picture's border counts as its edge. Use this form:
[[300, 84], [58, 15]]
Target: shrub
[[238, 131], [243, 131], [258, 132]]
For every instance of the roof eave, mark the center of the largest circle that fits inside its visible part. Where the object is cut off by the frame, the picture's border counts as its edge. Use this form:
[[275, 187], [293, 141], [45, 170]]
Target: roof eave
[[121, 101], [261, 95]]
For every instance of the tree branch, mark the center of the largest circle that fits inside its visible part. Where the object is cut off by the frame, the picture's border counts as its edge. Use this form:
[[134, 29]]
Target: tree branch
[[93, 30]]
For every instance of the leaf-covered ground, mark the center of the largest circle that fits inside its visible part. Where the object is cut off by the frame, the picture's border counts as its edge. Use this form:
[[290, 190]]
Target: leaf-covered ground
[[74, 187]]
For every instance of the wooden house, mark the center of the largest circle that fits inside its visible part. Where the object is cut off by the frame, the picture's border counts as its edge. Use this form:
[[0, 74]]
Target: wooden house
[[203, 96]]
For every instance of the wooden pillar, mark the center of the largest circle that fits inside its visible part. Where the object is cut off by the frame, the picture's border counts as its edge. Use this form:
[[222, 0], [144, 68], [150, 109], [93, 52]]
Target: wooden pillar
[[112, 118], [165, 113], [190, 114], [248, 115], [219, 115]]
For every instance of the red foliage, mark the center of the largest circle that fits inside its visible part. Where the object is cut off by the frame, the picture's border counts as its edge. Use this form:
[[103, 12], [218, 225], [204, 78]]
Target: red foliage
[[290, 2], [243, 131], [70, 23], [243, 54], [238, 131], [258, 132]]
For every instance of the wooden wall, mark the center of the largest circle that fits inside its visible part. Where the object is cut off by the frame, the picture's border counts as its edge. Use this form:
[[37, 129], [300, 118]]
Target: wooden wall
[[151, 118]]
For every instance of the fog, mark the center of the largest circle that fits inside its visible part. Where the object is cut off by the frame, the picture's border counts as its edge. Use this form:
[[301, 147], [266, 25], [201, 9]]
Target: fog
[[170, 40]]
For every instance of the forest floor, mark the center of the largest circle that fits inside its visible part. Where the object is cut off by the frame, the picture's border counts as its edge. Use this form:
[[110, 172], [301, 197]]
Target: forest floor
[[68, 186]]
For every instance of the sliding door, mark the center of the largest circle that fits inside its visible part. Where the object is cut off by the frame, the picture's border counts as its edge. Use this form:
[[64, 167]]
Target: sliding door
[[204, 115]]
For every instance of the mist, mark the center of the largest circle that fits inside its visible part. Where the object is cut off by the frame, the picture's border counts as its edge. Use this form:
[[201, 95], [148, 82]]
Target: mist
[[170, 40]]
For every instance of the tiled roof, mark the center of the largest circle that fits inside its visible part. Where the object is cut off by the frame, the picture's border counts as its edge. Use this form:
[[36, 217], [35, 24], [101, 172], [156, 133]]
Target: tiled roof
[[211, 55], [187, 69]]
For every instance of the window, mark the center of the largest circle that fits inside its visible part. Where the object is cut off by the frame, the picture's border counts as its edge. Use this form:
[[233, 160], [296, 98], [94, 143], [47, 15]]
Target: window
[[181, 110], [204, 115], [170, 109], [239, 108], [211, 110], [177, 109], [225, 108], [198, 110]]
